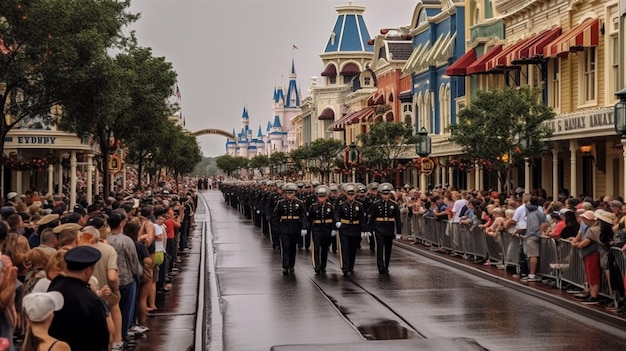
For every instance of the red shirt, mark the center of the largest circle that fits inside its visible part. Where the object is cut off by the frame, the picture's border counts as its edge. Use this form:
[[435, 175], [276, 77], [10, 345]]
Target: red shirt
[[170, 228]]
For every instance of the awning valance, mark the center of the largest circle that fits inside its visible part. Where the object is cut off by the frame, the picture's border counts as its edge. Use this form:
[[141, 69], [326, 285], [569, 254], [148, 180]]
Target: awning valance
[[459, 67], [480, 65], [351, 118], [351, 69], [532, 52], [405, 96], [327, 115], [499, 61], [415, 57], [441, 51], [330, 71], [586, 34]]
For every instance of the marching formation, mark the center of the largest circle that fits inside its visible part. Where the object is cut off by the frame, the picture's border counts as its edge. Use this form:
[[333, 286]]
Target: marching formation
[[320, 218]]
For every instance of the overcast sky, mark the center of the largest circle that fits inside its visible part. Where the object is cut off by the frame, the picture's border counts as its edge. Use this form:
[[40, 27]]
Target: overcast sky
[[231, 53]]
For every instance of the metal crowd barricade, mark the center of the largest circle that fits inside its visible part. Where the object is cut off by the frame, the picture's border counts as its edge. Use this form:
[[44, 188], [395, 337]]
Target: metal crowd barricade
[[575, 274], [418, 228], [406, 224], [478, 243], [554, 260], [495, 250], [444, 234], [620, 259], [430, 232], [511, 245], [457, 236]]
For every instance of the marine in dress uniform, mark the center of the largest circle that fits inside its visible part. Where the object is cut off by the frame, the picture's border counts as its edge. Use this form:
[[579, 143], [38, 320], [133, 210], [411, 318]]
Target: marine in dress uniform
[[372, 196], [385, 222], [334, 195], [289, 219], [81, 322], [350, 220], [273, 199], [321, 219]]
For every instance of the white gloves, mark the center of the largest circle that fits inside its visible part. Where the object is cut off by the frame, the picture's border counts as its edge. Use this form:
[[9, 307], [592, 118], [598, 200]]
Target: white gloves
[[398, 236], [338, 225], [368, 233], [258, 211], [303, 232], [333, 233], [363, 235]]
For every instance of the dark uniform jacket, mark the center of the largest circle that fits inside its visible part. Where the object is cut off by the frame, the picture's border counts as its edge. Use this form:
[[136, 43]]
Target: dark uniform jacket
[[384, 218], [321, 218], [82, 320], [351, 215], [289, 217]]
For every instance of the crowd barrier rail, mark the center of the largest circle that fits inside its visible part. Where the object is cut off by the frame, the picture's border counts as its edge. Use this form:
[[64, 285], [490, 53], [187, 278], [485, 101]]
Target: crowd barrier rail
[[559, 261]]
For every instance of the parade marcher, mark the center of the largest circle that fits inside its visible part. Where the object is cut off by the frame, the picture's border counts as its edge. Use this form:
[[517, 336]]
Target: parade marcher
[[371, 197], [309, 199], [289, 220], [350, 220], [273, 198], [320, 217], [334, 195], [385, 222]]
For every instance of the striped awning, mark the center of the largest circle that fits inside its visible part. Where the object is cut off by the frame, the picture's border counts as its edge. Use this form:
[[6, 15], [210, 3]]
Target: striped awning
[[500, 60], [586, 34], [480, 65], [459, 67], [415, 57], [351, 118], [533, 50]]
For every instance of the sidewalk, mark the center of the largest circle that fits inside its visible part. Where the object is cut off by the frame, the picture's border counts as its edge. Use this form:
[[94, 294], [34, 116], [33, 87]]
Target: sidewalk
[[537, 289]]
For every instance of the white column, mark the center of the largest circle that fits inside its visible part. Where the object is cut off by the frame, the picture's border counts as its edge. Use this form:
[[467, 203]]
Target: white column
[[60, 177], [50, 179], [72, 179], [555, 173], [437, 171], [97, 180], [573, 147], [450, 177], [90, 178], [477, 176], [526, 176], [18, 183]]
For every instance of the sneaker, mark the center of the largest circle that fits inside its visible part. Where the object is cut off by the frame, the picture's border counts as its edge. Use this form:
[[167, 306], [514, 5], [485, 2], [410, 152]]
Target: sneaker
[[590, 300], [117, 346], [530, 278], [140, 329], [581, 295], [574, 291]]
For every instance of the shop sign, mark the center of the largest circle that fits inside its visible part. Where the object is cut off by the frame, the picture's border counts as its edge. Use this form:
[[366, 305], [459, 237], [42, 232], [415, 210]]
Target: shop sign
[[581, 120], [36, 140]]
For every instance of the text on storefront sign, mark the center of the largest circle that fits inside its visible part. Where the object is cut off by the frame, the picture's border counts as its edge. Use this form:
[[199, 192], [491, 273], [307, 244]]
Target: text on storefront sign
[[36, 140], [582, 120]]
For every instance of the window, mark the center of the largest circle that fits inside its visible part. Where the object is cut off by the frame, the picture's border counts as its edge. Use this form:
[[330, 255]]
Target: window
[[332, 80], [444, 107], [587, 86], [367, 81], [407, 113], [612, 53], [614, 76], [554, 81]]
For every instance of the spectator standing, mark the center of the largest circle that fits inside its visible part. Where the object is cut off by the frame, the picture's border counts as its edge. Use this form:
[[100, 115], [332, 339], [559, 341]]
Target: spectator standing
[[39, 309], [589, 251], [81, 323], [536, 224]]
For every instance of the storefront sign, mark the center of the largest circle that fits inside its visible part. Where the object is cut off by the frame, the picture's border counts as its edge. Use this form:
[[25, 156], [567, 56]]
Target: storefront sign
[[581, 120], [36, 140], [428, 165]]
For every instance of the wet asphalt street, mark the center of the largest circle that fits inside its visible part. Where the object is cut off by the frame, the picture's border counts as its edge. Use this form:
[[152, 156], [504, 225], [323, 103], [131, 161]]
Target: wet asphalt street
[[252, 306]]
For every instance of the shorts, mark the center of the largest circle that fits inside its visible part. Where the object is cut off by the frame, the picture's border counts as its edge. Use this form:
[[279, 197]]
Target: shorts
[[155, 274], [592, 268], [532, 246]]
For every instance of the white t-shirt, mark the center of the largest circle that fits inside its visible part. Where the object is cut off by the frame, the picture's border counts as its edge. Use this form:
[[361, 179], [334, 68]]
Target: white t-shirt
[[456, 209], [159, 245], [520, 217]]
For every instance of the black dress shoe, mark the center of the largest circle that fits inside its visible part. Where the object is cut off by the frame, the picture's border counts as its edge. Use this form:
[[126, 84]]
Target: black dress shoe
[[285, 271], [291, 269], [318, 271]]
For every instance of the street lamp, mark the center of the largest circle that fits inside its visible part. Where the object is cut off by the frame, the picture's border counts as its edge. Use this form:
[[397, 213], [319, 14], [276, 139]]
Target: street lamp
[[619, 116], [423, 148], [525, 144], [424, 145]]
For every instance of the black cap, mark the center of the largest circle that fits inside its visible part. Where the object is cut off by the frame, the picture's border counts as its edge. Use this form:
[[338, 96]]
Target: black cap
[[81, 257], [80, 209], [73, 218]]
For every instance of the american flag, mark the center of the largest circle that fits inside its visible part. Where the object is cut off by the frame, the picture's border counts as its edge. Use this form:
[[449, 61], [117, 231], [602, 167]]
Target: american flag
[[294, 47], [178, 96]]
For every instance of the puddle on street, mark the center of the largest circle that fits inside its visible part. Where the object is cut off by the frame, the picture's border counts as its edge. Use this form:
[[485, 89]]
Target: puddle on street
[[384, 330]]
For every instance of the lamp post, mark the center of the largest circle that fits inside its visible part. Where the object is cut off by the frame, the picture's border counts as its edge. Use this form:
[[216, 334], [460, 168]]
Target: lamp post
[[619, 117], [525, 145], [423, 148]]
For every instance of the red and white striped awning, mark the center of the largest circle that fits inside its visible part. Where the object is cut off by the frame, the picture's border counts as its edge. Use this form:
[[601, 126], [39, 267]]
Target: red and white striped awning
[[351, 118], [586, 34]]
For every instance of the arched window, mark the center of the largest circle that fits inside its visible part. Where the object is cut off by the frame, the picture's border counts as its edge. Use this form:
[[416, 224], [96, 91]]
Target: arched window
[[444, 107]]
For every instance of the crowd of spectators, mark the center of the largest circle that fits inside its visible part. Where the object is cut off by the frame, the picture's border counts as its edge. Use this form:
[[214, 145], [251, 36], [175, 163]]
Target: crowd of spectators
[[594, 226], [105, 261]]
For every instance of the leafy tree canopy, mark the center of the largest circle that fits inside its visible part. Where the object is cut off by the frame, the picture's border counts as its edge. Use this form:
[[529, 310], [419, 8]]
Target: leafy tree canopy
[[385, 142]]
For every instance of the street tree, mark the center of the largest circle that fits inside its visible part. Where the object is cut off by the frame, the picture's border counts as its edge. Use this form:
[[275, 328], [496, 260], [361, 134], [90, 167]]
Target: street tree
[[324, 153], [259, 162], [47, 49], [300, 156], [384, 143], [181, 155], [230, 164], [502, 128], [119, 98], [278, 159]]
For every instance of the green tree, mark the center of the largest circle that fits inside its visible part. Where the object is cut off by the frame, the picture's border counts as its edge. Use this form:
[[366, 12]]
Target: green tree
[[504, 127], [230, 164], [183, 155], [384, 143], [323, 153], [46, 48], [300, 156], [125, 97], [277, 160], [259, 162]]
